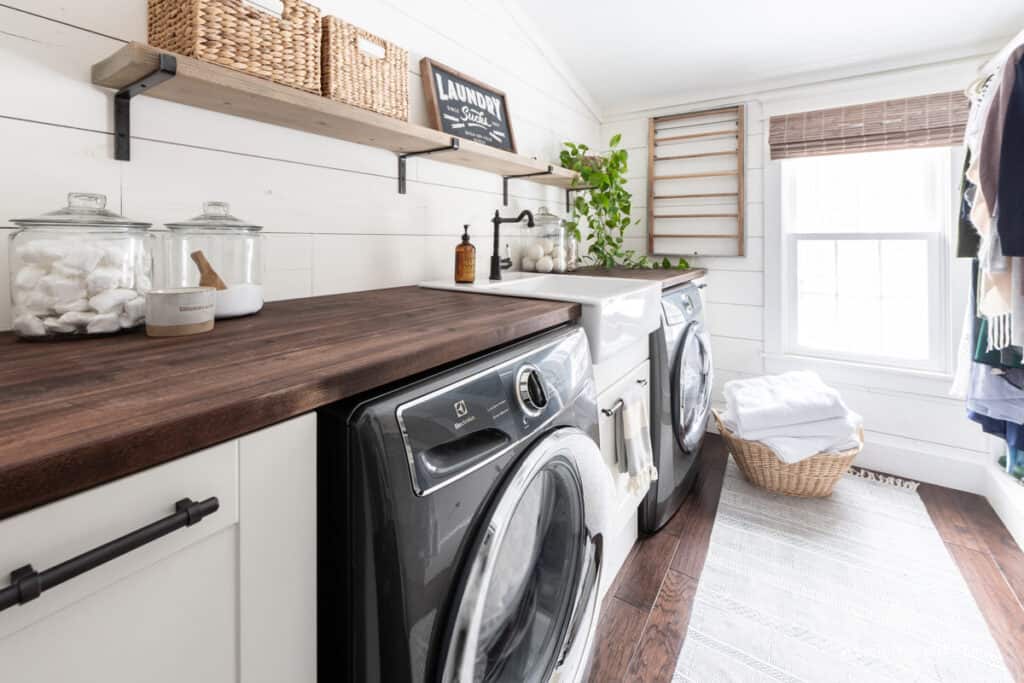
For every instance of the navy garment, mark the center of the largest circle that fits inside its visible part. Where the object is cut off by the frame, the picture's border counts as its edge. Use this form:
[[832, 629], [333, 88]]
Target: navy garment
[[1012, 433], [1010, 202]]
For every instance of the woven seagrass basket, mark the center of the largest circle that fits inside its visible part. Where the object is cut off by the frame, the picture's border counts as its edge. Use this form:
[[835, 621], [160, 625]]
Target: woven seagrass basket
[[814, 477], [241, 35], [364, 70]]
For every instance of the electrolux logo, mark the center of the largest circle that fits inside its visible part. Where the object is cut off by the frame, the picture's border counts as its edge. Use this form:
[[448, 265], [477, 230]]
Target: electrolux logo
[[460, 409]]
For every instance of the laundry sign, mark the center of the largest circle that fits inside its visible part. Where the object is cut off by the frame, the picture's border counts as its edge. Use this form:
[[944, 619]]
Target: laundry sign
[[465, 107]]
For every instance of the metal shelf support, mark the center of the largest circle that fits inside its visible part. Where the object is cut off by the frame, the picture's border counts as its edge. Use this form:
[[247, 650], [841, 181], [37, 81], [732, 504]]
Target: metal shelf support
[[166, 69], [506, 178], [452, 146], [568, 196]]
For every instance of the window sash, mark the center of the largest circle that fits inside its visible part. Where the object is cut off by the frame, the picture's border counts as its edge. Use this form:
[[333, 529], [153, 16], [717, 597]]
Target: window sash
[[937, 319]]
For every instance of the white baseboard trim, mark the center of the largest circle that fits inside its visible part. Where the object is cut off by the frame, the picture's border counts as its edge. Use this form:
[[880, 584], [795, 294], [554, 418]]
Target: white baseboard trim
[[1006, 496]]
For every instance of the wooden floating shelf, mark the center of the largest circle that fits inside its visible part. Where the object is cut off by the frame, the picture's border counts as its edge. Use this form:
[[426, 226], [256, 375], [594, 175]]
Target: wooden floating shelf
[[217, 88]]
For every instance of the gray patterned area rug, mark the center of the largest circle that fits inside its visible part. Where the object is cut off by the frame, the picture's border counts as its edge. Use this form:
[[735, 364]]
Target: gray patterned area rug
[[855, 587]]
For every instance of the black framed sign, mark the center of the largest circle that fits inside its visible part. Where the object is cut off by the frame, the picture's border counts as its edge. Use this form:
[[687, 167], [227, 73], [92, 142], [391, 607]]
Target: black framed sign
[[463, 106]]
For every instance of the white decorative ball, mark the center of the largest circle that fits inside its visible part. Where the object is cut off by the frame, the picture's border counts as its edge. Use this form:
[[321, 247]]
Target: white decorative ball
[[560, 265], [546, 245], [529, 264], [557, 252], [545, 264], [534, 251]]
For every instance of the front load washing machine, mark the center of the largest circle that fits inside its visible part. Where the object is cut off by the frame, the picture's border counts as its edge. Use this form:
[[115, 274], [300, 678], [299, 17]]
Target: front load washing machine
[[461, 522], [681, 381]]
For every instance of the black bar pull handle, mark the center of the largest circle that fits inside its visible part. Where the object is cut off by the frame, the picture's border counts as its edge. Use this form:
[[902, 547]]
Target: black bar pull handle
[[27, 584]]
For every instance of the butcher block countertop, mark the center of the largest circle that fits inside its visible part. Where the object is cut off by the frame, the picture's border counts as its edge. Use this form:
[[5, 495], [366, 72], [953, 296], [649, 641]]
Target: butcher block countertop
[[669, 277], [75, 414]]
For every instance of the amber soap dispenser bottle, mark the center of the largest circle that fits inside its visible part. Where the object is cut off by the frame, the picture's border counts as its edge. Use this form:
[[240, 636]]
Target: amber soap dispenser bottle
[[465, 259]]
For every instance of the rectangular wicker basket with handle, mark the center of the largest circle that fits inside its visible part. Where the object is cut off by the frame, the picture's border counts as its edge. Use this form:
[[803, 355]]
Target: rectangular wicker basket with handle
[[274, 39], [364, 70], [813, 477]]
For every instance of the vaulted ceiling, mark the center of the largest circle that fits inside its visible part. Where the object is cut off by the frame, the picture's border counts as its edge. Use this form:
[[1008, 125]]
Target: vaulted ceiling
[[637, 52]]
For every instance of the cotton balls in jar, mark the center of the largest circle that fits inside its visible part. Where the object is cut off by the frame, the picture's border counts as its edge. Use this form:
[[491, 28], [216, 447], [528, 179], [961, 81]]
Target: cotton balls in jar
[[529, 264], [535, 252], [545, 264]]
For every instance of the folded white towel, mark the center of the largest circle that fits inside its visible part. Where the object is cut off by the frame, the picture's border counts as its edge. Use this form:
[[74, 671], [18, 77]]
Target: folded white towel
[[791, 398], [636, 432], [794, 443]]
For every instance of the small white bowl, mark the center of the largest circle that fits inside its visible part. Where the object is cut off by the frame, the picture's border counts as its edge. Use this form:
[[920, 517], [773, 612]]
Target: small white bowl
[[179, 312]]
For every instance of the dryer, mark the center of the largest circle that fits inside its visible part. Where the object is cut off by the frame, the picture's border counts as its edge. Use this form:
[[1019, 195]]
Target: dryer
[[462, 518], [681, 381]]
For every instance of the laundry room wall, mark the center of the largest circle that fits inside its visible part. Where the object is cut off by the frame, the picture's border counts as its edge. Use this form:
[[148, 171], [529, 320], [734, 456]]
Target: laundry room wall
[[333, 217], [913, 427]]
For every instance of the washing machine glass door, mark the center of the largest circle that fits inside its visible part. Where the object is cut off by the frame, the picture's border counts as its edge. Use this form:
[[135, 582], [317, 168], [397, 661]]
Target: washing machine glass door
[[691, 387], [519, 610]]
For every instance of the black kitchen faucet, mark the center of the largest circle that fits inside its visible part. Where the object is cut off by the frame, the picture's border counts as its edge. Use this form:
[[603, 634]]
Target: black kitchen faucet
[[498, 220]]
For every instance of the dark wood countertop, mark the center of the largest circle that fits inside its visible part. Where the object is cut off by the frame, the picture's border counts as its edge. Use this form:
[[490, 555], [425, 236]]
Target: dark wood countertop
[[667, 276], [76, 414]]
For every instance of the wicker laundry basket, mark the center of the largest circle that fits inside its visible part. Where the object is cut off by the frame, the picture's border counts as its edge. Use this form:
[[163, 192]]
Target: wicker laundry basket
[[814, 477], [364, 70], [242, 35]]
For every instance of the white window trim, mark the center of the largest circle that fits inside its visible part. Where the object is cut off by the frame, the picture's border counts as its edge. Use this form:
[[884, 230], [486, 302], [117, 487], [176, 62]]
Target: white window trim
[[778, 358]]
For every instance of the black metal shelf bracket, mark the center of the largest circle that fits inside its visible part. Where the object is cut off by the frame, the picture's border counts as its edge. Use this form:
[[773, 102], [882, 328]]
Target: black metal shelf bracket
[[568, 196], [167, 68], [27, 584], [452, 146], [506, 178]]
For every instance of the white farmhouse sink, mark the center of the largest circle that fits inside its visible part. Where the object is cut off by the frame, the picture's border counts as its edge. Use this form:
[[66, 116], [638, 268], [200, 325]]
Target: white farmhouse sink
[[616, 312]]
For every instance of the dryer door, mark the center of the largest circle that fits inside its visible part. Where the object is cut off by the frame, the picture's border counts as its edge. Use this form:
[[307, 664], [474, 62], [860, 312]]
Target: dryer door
[[527, 602], [691, 387]]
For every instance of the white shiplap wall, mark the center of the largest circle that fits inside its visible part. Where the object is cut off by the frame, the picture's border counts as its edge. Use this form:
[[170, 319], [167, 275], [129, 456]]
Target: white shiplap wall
[[913, 427], [333, 217]]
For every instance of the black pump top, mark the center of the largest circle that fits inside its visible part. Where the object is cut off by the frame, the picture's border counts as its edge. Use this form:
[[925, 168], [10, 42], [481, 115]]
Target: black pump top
[[465, 234]]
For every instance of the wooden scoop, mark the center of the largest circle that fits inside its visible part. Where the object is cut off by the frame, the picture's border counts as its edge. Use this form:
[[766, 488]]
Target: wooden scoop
[[207, 275]]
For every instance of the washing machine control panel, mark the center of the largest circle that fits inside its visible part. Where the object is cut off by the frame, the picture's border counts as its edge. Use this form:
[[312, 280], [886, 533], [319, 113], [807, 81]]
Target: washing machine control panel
[[450, 431], [530, 391]]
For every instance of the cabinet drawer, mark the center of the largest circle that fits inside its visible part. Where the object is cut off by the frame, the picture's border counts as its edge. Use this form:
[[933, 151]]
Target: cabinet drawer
[[54, 533]]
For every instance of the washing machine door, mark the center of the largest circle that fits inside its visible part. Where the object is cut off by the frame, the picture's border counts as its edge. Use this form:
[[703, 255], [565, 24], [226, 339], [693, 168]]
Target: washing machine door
[[527, 605], [691, 387]]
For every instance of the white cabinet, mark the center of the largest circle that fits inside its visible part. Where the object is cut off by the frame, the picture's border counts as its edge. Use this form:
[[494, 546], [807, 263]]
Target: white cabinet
[[617, 377], [277, 547], [201, 603]]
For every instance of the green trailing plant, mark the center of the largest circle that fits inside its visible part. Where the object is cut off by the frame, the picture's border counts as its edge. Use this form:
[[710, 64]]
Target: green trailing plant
[[604, 206]]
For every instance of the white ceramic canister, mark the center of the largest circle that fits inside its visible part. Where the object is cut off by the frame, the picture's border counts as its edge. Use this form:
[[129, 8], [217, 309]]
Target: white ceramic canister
[[233, 248], [179, 312]]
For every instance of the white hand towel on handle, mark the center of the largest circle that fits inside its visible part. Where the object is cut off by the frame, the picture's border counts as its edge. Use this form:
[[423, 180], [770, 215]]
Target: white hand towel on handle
[[636, 431]]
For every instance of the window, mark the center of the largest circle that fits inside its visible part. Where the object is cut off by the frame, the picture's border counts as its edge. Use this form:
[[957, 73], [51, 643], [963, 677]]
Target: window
[[865, 249]]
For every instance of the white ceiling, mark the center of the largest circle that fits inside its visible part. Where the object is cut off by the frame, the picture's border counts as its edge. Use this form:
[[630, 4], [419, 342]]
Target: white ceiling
[[628, 53]]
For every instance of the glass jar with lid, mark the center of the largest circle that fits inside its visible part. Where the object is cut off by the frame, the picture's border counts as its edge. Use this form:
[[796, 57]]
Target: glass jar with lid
[[218, 250], [545, 248], [79, 270]]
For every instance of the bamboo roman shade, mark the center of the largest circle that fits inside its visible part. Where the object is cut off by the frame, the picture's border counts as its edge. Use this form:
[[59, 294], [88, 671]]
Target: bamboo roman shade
[[929, 121]]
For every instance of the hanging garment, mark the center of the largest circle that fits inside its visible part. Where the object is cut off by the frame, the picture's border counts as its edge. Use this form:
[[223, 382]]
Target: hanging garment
[[1013, 434], [991, 149], [968, 239], [1011, 167]]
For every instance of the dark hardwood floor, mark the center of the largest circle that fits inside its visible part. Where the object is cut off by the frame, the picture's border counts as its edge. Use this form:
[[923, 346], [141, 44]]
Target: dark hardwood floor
[[647, 609]]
